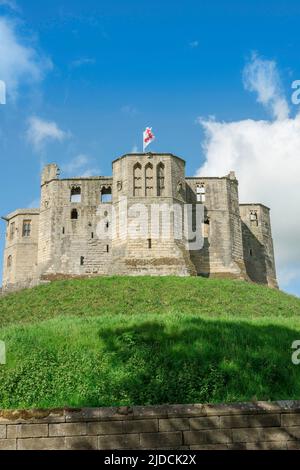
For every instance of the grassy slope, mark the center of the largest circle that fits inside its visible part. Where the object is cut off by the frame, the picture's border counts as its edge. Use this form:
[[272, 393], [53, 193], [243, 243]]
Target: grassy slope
[[113, 341]]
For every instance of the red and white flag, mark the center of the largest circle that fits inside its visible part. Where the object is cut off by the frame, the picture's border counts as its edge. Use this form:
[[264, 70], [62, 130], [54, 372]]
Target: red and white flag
[[148, 137]]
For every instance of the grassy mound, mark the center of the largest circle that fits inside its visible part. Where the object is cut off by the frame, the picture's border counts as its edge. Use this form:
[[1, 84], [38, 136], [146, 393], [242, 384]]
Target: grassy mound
[[124, 341]]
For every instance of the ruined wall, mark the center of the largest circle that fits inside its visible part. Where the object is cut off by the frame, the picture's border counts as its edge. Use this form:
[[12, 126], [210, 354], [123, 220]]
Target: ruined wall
[[222, 253], [258, 244], [69, 245], [20, 254], [256, 425], [63, 245]]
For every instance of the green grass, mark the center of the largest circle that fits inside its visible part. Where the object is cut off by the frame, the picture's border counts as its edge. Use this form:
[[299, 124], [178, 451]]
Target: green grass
[[137, 341]]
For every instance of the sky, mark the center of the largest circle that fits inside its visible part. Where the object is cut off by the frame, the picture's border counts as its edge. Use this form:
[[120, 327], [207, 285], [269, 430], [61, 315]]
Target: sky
[[214, 80]]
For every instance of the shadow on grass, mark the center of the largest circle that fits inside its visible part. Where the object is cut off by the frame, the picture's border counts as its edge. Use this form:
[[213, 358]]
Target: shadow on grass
[[200, 361]]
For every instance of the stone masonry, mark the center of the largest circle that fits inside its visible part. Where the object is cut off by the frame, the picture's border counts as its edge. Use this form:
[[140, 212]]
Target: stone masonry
[[61, 238], [257, 426]]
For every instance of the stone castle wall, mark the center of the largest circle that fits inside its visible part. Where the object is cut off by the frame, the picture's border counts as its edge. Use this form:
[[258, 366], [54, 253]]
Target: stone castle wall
[[62, 245], [257, 426]]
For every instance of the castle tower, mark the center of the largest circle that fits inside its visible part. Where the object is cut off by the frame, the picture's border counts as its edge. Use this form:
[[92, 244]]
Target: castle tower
[[258, 244], [152, 187]]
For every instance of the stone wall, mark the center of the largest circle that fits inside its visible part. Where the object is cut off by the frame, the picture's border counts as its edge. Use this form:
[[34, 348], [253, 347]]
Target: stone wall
[[259, 425]]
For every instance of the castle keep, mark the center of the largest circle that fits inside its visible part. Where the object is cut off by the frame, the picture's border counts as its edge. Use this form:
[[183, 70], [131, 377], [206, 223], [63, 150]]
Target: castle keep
[[71, 233]]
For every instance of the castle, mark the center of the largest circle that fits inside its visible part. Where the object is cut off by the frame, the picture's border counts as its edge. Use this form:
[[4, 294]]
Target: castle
[[62, 238]]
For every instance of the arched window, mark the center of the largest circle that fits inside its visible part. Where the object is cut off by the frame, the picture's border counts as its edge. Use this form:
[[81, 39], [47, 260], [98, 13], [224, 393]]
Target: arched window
[[76, 194], [106, 195], [9, 261], [137, 179], [160, 179], [74, 214], [149, 179]]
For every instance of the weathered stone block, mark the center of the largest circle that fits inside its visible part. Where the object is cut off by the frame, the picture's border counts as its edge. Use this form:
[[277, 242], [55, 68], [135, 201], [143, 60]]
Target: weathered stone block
[[105, 427], [260, 435], [207, 437], [48, 443], [204, 423], [121, 441], [81, 443], [27, 430], [2, 431], [174, 424], [243, 421], [67, 429], [161, 439], [140, 425], [8, 444]]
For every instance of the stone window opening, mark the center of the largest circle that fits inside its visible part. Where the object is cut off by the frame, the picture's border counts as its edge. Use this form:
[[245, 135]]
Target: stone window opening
[[251, 252], [137, 179], [63, 230], [26, 228], [206, 227], [9, 261], [81, 260], [92, 235], [254, 218], [74, 214], [106, 195], [149, 179], [201, 192], [149, 243], [76, 194], [107, 248], [160, 179], [12, 230]]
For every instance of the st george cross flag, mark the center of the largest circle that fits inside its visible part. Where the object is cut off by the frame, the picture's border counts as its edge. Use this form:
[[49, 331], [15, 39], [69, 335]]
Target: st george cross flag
[[148, 137]]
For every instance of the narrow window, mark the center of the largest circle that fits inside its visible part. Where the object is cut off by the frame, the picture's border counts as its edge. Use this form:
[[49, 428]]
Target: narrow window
[[251, 252], [149, 179], [160, 179], [137, 180], [74, 214], [12, 230], [92, 235], [26, 228], [106, 195], [9, 261], [63, 230], [206, 228], [76, 194], [81, 260], [254, 218], [149, 243], [201, 192], [107, 248]]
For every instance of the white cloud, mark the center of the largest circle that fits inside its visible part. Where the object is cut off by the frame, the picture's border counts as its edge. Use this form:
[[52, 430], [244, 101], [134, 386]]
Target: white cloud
[[40, 132], [265, 156], [19, 63], [262, 77], [81, 165], [194, 44]]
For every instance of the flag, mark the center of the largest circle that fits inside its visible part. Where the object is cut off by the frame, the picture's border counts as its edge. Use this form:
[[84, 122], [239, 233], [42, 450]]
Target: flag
[[148, 137]]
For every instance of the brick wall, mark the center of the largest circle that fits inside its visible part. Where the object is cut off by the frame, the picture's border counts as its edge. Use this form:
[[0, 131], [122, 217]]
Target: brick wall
[[260, 425]]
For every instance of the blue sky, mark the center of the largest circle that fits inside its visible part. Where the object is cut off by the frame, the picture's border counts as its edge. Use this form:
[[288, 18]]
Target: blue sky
[[95, 73]]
